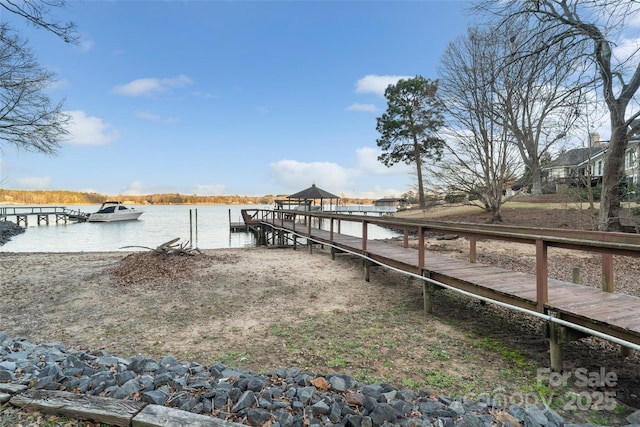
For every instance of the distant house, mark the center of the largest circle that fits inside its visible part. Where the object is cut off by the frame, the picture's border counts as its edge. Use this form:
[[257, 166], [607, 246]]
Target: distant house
[[397, 203], [572, 167]]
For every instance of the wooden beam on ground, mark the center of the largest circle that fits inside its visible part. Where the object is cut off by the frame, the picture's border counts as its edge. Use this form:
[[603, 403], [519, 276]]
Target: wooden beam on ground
[[84, 407]]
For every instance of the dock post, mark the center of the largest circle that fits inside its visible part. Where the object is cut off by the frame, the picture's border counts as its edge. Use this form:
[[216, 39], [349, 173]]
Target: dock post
[[555, 343], [575, 275], [295, 242], [473, 255], [428, 291], [607, 272], [367, 268]]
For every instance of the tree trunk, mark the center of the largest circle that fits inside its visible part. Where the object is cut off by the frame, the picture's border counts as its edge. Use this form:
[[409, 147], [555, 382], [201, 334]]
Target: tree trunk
[[609, 216], [536, 180], [421, 200]]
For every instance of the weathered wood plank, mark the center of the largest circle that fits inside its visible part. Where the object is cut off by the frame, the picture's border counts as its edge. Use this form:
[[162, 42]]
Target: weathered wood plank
[[161, 416], [83, 407]]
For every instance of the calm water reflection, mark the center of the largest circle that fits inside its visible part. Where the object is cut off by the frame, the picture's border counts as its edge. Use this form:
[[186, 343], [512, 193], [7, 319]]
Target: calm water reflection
[[158, 224]]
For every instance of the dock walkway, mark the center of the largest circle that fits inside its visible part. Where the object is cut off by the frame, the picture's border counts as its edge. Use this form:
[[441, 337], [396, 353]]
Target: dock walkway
[[587, 310], [42, 214]]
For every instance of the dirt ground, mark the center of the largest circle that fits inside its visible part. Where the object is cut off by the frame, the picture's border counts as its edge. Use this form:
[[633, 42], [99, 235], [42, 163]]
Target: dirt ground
[[261, 308]]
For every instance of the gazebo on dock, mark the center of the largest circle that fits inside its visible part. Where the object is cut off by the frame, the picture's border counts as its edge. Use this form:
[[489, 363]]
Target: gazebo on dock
[[307, 199]]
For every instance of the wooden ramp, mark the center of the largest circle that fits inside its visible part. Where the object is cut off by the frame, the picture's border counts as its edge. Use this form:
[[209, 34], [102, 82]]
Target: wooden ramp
[[614, 314]]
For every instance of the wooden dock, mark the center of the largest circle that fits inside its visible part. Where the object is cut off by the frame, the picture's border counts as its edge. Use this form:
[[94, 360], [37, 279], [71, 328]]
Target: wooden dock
[[42, 214], [572, 311]]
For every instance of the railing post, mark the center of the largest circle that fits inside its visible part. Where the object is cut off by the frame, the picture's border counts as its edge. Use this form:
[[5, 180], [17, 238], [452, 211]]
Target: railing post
[[331, 230], [364, 235], [420, 249], [294, 222], [405, 241], [607, 273], [542, 275], [472, 250]]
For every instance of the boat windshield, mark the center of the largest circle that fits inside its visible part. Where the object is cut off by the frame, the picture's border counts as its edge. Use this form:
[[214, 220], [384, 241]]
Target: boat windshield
[[108, 209]]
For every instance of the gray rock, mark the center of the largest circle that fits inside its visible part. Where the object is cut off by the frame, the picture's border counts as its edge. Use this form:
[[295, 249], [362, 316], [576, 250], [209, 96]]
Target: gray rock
[[383, 412], [552, 415], [258, 416], [154, 397], [429, 406], [130, 387], [472, 420], [246, 400], [457, 407], [305, 394], [7, 366], [6, 376], [320, 408], [634, 418], [535, 415], [338, 384]]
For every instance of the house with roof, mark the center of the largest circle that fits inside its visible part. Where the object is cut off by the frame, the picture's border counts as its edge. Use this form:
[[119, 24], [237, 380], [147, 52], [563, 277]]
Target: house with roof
[[574, 167], [578, 166]]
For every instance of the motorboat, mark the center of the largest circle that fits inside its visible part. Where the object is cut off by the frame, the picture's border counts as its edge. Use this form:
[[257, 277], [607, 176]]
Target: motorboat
[[114, 211]]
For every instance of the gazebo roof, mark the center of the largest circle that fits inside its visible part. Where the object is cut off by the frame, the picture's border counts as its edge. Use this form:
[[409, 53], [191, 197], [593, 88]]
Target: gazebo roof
[[312, 193]]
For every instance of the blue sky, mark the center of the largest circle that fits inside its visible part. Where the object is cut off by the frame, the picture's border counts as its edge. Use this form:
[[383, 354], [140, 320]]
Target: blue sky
[[213, 97]]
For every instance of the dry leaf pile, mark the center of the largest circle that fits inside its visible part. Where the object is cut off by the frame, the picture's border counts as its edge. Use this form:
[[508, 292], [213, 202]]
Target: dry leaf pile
[[153, 268]]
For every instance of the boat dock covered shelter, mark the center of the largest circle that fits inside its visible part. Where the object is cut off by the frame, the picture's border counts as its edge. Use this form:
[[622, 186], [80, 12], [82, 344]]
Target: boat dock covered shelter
[[308, 199]]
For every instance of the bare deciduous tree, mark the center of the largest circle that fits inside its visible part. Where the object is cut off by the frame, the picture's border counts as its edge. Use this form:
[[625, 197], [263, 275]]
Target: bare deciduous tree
[[28, 118], [540, 97], [481, 156], [592, 28], [37, 12]]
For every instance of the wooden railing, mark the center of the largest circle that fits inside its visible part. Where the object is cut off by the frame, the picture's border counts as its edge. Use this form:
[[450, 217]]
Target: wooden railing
[[605, 243]]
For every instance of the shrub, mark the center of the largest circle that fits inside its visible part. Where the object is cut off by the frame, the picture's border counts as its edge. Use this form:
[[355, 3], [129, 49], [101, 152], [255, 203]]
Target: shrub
[[454, 198]]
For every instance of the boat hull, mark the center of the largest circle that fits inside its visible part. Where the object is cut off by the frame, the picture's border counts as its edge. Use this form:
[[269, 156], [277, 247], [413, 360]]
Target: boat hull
[[113, 217]]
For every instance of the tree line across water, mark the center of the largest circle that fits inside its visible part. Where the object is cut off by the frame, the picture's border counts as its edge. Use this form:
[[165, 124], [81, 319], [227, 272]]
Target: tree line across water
[[62, 197]]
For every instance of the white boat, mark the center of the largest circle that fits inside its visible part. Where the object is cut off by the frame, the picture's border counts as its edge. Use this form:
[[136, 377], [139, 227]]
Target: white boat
[[114, 211]]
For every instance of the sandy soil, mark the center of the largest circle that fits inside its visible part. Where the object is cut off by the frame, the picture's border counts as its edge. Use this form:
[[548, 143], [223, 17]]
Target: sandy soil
[[154, 305]]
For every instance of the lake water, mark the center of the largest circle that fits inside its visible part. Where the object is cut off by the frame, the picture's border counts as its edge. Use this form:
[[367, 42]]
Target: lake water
[[158, 224]]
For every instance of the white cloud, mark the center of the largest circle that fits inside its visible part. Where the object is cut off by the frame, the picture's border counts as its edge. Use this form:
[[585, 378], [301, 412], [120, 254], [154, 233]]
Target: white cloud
[[86, 44], [88, 130], [368, 162], [134, 188], [372, 83], [34, 182], [626, 48], [152, 117], [296, 176], [205, 95], [362, 107], [151, 86]]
